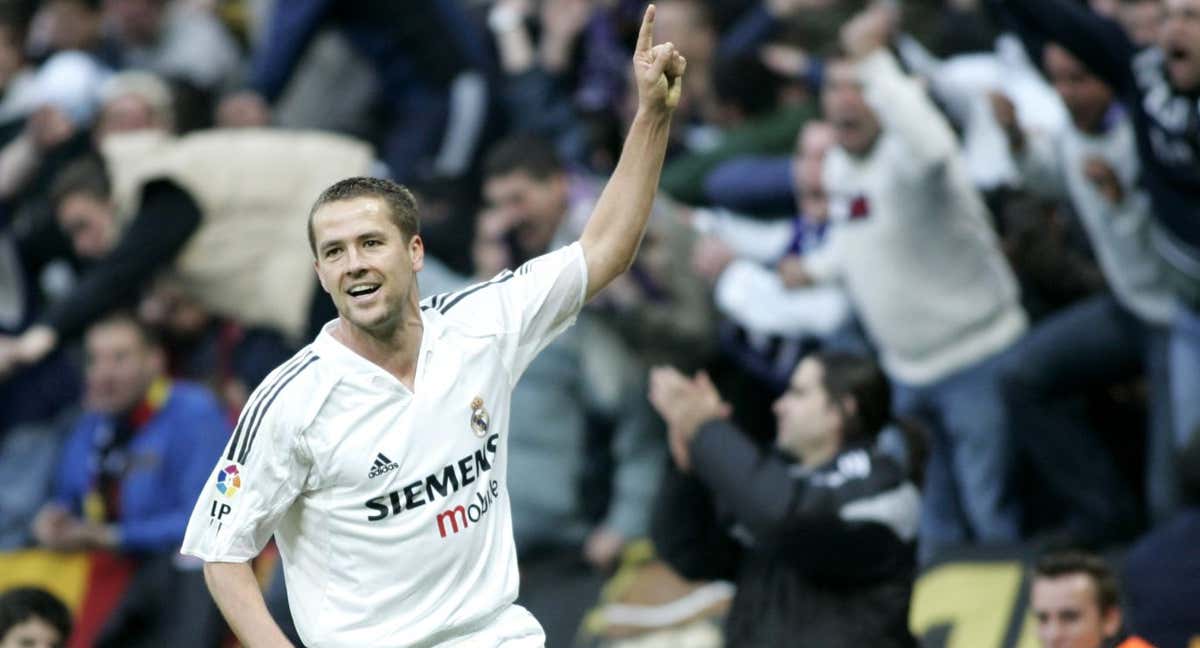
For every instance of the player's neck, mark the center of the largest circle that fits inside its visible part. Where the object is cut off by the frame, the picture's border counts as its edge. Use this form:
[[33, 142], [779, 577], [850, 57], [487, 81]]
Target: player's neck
[[394, 349]]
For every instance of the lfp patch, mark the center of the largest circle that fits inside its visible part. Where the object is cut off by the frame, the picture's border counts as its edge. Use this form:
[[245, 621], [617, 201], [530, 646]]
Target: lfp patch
[[229, 481]]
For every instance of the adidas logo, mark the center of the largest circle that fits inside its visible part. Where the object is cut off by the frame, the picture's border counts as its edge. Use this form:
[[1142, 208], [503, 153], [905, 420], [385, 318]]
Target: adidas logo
[[382, 465]]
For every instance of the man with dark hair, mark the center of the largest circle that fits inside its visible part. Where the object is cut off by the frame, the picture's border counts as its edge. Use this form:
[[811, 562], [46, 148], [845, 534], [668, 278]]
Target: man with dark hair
[[33, 618], [817, 531], [377, 456], [1075, 601]]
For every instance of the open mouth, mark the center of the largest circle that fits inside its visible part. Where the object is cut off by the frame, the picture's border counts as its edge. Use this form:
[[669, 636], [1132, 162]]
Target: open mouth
[[362, 290]]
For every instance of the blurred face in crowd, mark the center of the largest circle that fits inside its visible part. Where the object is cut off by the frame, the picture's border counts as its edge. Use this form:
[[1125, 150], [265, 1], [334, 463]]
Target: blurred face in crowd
[[1179, 39], [854, 123], [90, 224], [1086, 97], [121, 364], [807, 420], [138, 21], [1067, 609], [536, 206], [124, 114], [1142, 20], [366, 264], [814, 142], [68, 25], [32, 633], [685, 23]]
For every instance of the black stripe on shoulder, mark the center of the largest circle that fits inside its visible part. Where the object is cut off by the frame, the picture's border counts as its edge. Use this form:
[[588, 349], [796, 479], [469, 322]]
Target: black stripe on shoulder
[[433, 302], [258, 416], [257, 398], [473, 289]]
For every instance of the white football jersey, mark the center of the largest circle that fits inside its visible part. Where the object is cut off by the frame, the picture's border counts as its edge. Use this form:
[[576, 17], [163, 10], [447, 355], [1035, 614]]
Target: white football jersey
[[390, 506]]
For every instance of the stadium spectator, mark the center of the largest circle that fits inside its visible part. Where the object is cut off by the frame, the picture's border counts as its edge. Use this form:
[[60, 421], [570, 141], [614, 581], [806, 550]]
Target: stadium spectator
[[536, 202], [134, 101], [751, 262], [910, 241], [181, 41], [432, 63], [160, 202], [1161, 575], [33, 618], [1075, 602], [126, 482], [1093, 163], [1158, 86], [817, 532]]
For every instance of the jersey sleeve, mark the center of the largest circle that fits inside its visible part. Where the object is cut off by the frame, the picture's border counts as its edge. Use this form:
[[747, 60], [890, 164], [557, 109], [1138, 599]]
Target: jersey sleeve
[[263, 469], [526, 309]]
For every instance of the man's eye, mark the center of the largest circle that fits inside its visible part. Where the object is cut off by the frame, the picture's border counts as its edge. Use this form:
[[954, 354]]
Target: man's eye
[[330, 252]]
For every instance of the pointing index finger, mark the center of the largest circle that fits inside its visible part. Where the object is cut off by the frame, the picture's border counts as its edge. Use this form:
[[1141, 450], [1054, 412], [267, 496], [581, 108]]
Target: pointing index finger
[[646, 34]]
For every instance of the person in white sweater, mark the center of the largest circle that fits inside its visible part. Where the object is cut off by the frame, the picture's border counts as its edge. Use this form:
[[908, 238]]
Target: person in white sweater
[[1093, 164], [910, 241]]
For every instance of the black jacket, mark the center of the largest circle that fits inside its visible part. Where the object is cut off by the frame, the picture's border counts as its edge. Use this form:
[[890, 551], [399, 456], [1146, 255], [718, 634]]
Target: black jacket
[[820, 558]]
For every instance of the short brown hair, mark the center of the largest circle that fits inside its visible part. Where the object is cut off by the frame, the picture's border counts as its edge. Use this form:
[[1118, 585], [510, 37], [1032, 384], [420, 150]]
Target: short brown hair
[[401, 204], [1071, 561]]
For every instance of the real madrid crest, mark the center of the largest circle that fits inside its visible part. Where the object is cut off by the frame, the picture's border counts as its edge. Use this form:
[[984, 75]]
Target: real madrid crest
[[480, 420]]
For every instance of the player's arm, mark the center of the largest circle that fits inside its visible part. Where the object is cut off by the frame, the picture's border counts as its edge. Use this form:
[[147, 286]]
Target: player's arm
[[236, 591], [612, 235]]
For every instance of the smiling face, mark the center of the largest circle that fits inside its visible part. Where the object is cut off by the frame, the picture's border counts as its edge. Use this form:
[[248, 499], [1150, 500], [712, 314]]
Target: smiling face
[[366, 264], [1179, 39]]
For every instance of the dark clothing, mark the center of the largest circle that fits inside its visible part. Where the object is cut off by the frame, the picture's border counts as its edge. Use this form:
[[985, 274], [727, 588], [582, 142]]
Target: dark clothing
[[190, 619], [812, 566], [1162, 581], [1166, 119], [167, 219], [1091, 344], [417, 50]]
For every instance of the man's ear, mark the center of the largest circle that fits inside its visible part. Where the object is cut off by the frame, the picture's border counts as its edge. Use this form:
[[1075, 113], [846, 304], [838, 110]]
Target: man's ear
[[416, 250], [1111, 621]]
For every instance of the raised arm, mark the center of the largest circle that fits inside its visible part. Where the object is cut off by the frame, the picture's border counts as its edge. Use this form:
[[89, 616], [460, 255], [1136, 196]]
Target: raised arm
[[612, 235], [1099, 42], [901, 104]]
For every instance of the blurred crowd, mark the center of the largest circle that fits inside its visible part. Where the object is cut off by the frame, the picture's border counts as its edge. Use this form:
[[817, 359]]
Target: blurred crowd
[[920, 276]]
